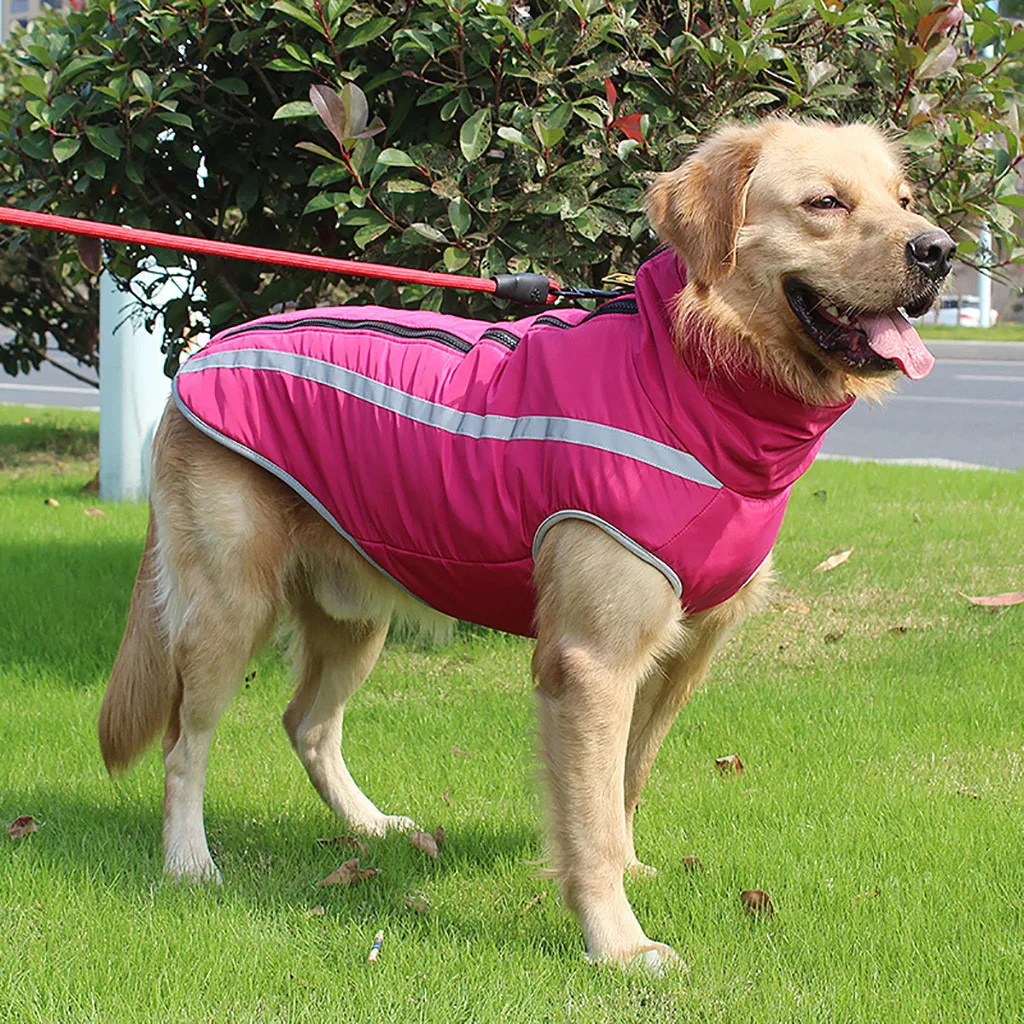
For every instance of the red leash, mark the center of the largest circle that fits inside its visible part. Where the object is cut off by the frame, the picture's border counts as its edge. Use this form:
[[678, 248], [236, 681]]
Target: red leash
[[531, 289]]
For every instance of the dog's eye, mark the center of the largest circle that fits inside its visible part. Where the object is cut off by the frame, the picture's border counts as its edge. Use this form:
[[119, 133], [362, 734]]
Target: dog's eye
[[905, 202], [825, 203]]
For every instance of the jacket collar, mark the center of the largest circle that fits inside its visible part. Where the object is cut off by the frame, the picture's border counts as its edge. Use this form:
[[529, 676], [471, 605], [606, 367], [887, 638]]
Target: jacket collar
[[756, 439]]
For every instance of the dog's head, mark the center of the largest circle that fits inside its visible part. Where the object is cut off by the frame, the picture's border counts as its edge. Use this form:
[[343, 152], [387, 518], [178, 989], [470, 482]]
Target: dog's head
[[804, 253]]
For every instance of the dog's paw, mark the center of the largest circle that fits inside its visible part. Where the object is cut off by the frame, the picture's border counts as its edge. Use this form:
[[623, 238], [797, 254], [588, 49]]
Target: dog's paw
[[637, 869], [655, 960], [192, 870], [377, 827]]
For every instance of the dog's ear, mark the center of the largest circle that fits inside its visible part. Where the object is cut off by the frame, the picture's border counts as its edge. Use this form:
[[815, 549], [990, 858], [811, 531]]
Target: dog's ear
[[699, 208]]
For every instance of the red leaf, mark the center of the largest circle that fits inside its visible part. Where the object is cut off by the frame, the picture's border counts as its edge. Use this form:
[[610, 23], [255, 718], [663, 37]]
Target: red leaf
[[91, 254], [21, 827], [996, 600], [729, 763], [611, 95], [94, 512], [940, 22], [629, 125]]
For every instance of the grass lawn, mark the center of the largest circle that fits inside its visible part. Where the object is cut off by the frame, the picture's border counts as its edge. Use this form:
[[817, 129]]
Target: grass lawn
[[1001, 332], [880, 718]]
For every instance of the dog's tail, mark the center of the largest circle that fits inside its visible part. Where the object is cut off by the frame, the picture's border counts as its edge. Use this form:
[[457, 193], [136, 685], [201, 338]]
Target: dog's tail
[[143, 684]]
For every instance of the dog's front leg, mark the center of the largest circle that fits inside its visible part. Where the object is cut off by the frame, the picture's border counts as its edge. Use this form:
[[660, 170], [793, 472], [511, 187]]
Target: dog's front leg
[[670, 685], [604, 618]]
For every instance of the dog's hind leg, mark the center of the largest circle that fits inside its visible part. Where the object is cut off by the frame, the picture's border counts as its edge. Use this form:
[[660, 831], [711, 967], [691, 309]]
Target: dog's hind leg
[[210, 657], [332, 659]]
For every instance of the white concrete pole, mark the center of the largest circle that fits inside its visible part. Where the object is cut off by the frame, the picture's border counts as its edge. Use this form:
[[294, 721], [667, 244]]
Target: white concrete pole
[[133, 389], [985, 243], [985, 281]]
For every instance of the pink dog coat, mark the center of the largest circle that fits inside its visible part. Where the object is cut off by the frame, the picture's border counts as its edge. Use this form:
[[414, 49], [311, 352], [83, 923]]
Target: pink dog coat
[[444, 449]]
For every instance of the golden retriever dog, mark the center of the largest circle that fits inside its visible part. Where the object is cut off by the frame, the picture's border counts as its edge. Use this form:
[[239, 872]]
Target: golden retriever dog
[[792, 234]]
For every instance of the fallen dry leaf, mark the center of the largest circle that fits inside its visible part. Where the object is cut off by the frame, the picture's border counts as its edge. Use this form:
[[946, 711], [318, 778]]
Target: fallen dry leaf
[[799, 607], [93, 486], [833, 560], [538, 899], [834, 638], [996, 600], [52, 502], [354, 841], [424, 841], [317, 911], [27, 419], [439, 835], [22, 826], [417, 901], [757, 903], [729, 763], [692, 863], [867, 895], [446, 796], [95, 512], [459, 752], [349, 874]]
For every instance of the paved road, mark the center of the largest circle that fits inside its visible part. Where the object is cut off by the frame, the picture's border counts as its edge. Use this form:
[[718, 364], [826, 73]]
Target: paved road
[[970, 409], [50, 386]]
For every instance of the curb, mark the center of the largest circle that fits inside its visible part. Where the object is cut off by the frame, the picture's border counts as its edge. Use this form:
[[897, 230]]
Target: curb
[[984, 351]]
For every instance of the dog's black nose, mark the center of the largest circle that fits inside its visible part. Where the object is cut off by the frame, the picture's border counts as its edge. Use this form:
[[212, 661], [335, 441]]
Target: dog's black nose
[[931, 252]]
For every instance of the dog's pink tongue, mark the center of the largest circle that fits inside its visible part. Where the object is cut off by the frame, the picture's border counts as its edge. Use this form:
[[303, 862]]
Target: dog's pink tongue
[[892, 337]]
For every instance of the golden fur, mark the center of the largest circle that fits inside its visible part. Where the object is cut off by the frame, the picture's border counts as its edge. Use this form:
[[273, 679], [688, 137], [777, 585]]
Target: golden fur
[[230, 549]]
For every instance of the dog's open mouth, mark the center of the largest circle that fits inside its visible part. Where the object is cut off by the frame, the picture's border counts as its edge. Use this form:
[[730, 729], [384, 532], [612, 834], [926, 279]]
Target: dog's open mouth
[[865, 343]]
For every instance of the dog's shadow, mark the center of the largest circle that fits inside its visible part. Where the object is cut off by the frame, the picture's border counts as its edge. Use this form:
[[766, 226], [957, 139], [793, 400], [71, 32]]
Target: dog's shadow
[[274, 866]]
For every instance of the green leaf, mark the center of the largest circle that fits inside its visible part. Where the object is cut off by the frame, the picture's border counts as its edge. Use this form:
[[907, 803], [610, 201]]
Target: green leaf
[[35, 85], [299, 14], [428, 231], [107, 140], [367, 31], [395, 158], [248, 192], [234, 86], [96, 167], [324, 201], [297, 108], [143, 82], [312, 147], [517, 138], [475, 135], [405, 185], [286, 64], [369, 233], [1015, 41], [455, 259], [178, 120], [460, 216], [65, 149]]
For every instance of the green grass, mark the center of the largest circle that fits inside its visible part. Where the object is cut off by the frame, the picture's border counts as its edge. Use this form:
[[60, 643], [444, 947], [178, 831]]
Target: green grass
[[879, 716], [1001, 332]]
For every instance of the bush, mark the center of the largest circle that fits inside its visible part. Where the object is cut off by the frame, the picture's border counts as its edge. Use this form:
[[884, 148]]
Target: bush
[[472, 136]]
